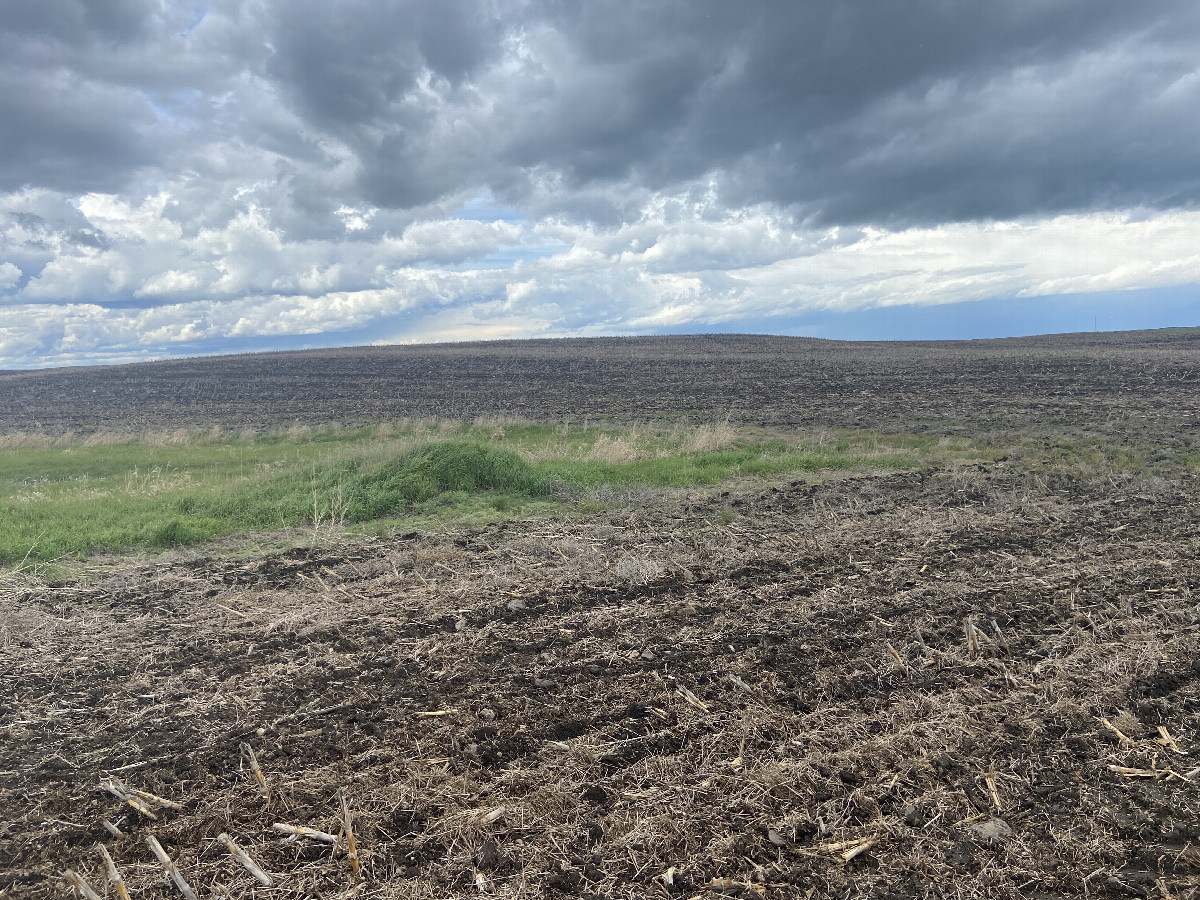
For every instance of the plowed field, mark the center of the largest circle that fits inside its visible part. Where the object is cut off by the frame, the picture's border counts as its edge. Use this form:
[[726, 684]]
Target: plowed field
[[1134, 382], [972, 682], [646, 703]]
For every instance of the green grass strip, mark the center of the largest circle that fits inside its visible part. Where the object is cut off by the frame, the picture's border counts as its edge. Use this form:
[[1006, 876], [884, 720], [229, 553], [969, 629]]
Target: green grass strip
[[71, 497]]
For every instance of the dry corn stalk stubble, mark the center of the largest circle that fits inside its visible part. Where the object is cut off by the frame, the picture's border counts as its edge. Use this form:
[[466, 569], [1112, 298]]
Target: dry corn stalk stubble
[[257, 772], [738, 720], [172, 870], [244, 860], [113, 873]]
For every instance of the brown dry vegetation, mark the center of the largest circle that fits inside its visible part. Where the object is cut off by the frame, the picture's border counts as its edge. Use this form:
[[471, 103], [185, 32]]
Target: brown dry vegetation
[[766, 691]]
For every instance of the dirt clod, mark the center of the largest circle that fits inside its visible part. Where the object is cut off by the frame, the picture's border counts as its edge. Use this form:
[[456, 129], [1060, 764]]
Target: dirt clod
[[991, 831]]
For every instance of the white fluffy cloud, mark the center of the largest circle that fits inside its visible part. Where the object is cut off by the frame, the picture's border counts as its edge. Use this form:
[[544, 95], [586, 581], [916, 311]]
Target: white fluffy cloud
[[10, 276], [151, 289], [119, 221]]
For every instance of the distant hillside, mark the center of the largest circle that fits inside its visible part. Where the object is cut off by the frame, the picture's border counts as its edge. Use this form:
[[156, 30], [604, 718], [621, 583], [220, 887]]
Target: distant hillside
[[1147, 381]]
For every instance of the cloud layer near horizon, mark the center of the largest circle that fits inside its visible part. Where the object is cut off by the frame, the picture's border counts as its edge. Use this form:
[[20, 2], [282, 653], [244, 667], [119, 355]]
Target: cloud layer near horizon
[[177, 177]]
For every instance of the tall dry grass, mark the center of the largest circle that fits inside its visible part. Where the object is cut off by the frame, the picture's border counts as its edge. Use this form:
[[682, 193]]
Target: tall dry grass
[[25, 440], [615, 450], [709, 438]]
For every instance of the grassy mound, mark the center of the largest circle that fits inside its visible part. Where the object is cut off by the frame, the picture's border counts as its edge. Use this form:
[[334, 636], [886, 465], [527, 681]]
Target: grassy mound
[[349, 491], [450, 466]]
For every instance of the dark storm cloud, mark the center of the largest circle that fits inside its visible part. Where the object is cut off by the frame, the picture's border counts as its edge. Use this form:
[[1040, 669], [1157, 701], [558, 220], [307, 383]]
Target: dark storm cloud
[[848, 112], [895, 113], [78, 80], [391, 79], [183, 173], [81, 22], [72, 135], [351, 64]]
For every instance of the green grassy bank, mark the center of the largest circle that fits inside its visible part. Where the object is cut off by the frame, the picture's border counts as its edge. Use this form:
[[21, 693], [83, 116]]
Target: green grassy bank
[[70, 497]]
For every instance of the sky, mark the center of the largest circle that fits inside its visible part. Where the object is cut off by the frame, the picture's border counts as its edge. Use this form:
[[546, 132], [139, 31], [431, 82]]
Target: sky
[[183, 178]]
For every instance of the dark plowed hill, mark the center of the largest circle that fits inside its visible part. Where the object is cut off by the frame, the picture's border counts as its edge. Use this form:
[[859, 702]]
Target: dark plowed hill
[[1140, 382]]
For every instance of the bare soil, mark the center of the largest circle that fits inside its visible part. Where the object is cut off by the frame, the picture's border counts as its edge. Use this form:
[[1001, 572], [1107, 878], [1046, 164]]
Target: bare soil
[[1143, 383], [765, 693], [977, 682]]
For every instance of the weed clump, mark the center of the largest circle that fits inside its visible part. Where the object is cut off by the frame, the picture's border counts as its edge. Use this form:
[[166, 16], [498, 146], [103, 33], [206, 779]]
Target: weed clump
[[463, 466], [449, 466], [171, 533]]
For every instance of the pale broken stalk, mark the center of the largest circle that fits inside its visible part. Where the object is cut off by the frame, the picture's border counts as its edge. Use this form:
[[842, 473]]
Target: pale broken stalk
[[730, 885], [1130, 772], [172, 870], [154, 798], [117, 788], [492, 815], [740, 684], [1165, 738], [847, 850], [113, 873], [691, 698], [248, 752], [1120, 736], [852, 852], [135, 798], [299, 831], [244, 859], [989, 778], [348, 830], [81, 886], [972, 634]]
